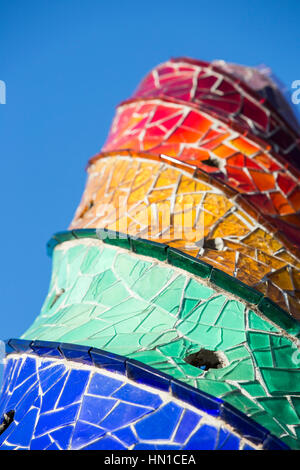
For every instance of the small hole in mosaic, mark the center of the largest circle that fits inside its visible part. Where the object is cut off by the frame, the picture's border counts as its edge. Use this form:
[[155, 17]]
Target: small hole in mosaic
[[206, 359]]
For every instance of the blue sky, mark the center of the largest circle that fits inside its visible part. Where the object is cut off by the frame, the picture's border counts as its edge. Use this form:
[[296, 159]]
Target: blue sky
[[66, 65]]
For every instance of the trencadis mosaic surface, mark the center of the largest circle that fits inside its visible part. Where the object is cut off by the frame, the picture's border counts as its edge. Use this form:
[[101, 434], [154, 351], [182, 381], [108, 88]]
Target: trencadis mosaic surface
[[171, 320]]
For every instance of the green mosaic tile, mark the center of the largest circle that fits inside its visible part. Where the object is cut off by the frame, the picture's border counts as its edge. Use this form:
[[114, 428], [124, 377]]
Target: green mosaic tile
[[208, 311], [279, 316], [243, 403], [232, 316], [56, 262], [193, 290], [188, 263], [238, 352], [281, 381], [85, 233], [188, 306], [149, 248], [272, 424], [216, 388], [183, 260], [175, 349], [70, 315], [230, 284], [74, 261], [254, 389], [79, 290], [171, 298], [190, 371], [148, 357], [150, 282], [237, 370], [258, 340], [63, 236], [280, 408], [98, 286], [90, 263], [84, 331], [74, 253], [146, 310], [128, 268], [263, 358], [115, 239], [257, 323], [283, 352]]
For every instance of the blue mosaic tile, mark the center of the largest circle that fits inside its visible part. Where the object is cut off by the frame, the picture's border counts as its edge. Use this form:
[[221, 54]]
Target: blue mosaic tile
[[40, 443], [63, 407], [8, 349], [187, 424], [28, 369], [123, 414], [19, 394], [47, 362], [82, 430], [272, 443], [49, 376], [144, 447], [159, 425], [56, 419], [126, 436], [74, 387], [62, 436], [138, 396], [94, 409], [142, 374], [52, 395], [103, 386], [76, 353], [227, 441], [204, 439], [20, 345], [23, 405], [45, 348], [6, 447], [21, 436], [38, 401], [15, 373], [7, 433], [108, 361]]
